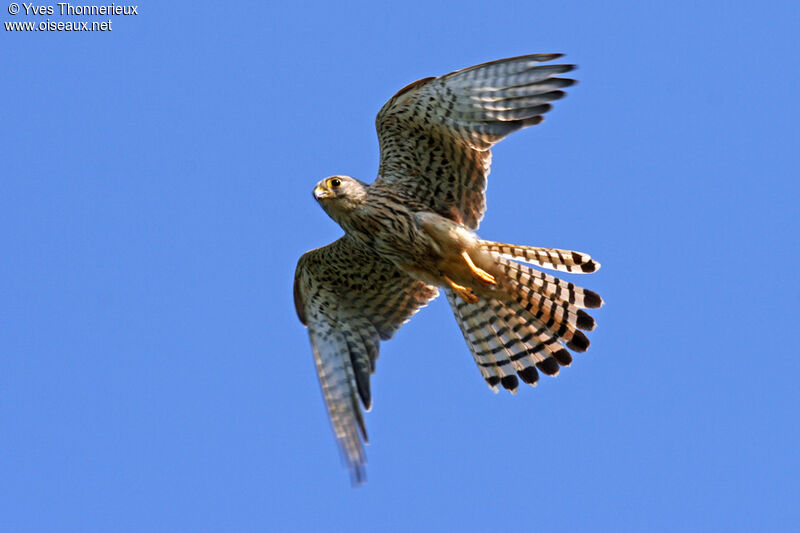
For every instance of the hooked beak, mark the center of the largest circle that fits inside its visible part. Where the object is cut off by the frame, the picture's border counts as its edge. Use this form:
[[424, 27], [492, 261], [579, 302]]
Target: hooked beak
[[321, 192]]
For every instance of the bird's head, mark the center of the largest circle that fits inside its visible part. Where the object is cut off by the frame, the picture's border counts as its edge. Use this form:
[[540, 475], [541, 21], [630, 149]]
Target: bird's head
[[338, 195]]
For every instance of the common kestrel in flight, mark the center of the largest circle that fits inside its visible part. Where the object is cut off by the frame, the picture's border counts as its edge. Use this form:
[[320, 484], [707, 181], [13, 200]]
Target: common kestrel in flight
[[412, 231]]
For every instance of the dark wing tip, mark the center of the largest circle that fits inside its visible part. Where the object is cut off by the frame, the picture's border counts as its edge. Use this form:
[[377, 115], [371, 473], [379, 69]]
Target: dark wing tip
[[550, 57], [358, 475], [539, 58], [533, 121], [364, 393]]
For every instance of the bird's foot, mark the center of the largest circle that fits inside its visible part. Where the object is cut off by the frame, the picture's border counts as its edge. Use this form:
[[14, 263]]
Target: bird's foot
[[466, 294], [478, 272]]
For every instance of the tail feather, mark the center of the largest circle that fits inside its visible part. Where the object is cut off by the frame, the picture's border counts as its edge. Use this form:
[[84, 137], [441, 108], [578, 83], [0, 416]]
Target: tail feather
[[504, 341], [526, 325], [552, 258], [556, 317], [551, 286], [559, 316], [539, 348], [475, 323]]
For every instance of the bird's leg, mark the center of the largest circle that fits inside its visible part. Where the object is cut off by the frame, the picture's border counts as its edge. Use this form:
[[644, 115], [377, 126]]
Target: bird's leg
[[479, 272], [467, 294]]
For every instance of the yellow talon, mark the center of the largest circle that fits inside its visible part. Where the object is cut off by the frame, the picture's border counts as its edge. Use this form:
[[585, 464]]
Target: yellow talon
[[479, 272], [466, 294]]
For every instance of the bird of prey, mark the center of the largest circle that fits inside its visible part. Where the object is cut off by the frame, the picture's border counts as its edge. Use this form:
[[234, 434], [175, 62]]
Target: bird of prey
[[411, 232]]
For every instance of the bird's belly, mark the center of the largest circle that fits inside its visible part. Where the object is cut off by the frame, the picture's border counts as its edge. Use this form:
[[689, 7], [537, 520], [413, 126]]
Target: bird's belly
[[417, 256], [431, 251], [424, 245]]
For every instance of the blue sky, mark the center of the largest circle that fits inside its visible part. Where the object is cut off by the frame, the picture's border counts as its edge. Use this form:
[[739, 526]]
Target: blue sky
[[156, 194]]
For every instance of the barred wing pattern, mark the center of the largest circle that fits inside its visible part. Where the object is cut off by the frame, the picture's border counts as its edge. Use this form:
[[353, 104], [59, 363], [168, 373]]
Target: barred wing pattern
[[350, 299], [435, 134]]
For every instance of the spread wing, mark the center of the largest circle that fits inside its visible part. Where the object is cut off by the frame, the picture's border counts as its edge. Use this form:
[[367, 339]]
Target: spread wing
[[435, 134], [350, 300]]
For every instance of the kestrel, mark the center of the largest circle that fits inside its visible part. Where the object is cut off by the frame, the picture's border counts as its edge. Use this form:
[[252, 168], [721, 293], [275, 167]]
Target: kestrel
[[412, 231]]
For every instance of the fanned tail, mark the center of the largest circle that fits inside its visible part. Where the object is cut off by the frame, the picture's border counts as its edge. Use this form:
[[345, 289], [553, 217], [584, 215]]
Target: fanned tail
[[525, 326]]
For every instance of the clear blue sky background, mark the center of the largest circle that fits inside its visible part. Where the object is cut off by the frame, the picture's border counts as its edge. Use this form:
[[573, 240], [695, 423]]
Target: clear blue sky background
[[156, 194]]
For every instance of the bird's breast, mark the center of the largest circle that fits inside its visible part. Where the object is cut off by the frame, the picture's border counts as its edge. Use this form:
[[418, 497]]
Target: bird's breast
[[397, 235]]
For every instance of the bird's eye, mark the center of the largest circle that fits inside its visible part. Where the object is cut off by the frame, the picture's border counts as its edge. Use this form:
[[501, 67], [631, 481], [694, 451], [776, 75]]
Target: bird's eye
[[334, 183]]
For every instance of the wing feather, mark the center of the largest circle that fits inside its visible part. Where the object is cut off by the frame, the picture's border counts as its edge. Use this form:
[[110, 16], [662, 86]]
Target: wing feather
[[350, 299], [435, 134]]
